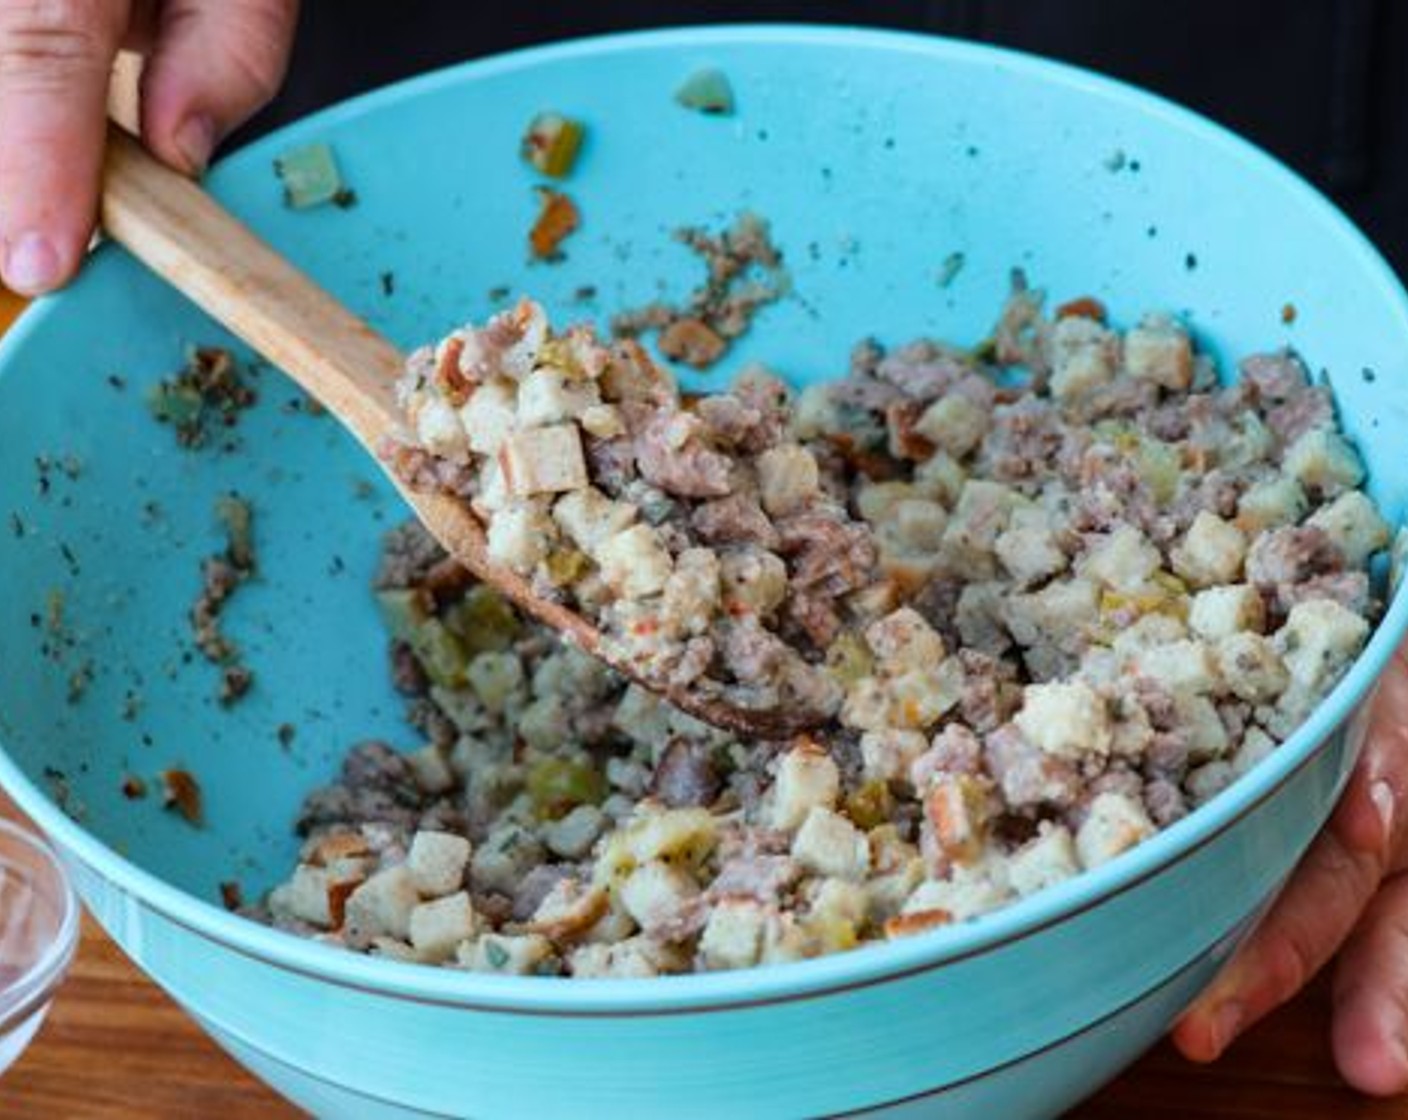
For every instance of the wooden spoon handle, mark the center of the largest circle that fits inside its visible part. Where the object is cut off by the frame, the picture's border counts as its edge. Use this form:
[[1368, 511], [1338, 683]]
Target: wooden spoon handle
[[185, 236]]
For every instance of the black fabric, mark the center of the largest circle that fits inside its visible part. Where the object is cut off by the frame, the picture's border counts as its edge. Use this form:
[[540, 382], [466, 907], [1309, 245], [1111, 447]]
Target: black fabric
[[1314, 81]]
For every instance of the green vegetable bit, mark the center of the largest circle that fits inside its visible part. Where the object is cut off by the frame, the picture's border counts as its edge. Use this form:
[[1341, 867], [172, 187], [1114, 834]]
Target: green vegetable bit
[[179, 405], [439, 652], [707, 91], [558, 785], [552, 144], [310, 177], [483, 621], [237, 516], [496, 954]]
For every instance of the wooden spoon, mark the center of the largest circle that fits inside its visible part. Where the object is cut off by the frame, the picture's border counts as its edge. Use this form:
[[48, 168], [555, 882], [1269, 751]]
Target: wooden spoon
[[183, 235]]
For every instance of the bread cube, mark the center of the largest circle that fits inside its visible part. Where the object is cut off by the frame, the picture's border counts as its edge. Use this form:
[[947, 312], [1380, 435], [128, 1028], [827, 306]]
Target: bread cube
[[941, 478], [733, 935], [1148, 632], [490, 415], [496, 679], [1062, 612], [504, 858], [590, 518], [604, 421], [1207, 735], [693, 593], [887, 755], [904, 640], [1251, 668], [807, 778], [431, 770], [1211, 552], [438, 927], [788, 479], [1114, 824], [1207, 781], [1352, 521], [829, 844], [656, 894], [1065, 720], [1270, 504], [980, 517], [876, 501], [569, 910], [510, 956], [919, 698], [636, 958], [1256, 746], [967, 893], [572, 836], [1083, 357], [1123, 559], [438, 428], [981, 617], [1187, 666], [437, 862], [917, 526], [304, 897], [634, 563], [954, 424], [754, 581], [1028, 549], [1159, 350], [543, 460], [1318, 642], [1219, 612], [683, 837], [521, 536], [957, 811], [1323, 462], [383, 904], [550, 396], [1046, 859]]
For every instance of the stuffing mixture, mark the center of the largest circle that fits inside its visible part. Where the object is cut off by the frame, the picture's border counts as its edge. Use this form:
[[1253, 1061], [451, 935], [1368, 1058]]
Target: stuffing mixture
[[1051, 595]]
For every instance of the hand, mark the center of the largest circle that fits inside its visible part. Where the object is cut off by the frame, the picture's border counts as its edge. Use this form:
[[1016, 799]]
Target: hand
[[209, 65], [1348, 895]]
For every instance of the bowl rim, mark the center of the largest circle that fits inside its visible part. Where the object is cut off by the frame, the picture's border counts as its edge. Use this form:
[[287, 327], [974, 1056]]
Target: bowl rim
[[33, 988], [869, 965]]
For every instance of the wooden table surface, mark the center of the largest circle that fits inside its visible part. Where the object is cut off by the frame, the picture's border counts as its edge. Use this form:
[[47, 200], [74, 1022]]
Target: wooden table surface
[[116, 1047]]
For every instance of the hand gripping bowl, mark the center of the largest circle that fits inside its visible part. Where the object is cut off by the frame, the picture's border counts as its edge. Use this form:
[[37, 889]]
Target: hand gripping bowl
[[886, 153]]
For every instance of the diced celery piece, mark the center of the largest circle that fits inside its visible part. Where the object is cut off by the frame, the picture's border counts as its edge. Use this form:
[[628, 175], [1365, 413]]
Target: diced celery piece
[[707, 91], [310, 176], [483, 621], [552, 144], [848, 659], [558, 785], [439, 652]]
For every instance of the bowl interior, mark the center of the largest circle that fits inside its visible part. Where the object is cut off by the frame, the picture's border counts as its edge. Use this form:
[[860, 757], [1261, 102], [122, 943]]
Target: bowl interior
[[903, 178]]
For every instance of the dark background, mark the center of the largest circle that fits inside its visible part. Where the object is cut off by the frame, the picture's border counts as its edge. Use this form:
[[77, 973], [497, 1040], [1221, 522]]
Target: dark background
[[1320, 83]]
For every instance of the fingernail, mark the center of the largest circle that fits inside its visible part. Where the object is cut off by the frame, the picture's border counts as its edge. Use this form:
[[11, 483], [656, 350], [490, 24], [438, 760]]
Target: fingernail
[[32, 264], [1381, 794], [1226, 1022], [195, 140]]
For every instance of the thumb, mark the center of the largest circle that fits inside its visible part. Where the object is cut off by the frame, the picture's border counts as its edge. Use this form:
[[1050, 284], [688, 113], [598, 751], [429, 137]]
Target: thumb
[[212, 65]]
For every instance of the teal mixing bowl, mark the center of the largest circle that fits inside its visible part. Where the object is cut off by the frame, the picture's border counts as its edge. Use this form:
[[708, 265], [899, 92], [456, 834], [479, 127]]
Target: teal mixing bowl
[[878, 157]]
